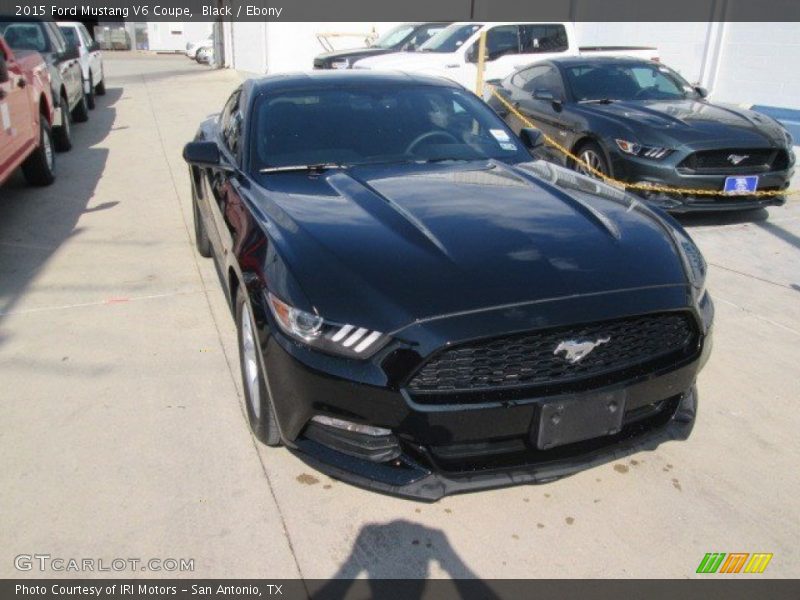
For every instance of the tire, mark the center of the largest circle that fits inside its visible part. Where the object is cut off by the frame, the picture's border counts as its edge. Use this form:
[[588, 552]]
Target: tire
[[40, 167], [260, 413], [100, 88], [80, 114], [62, 135], [591, 153], [90, 96], [200, 234]]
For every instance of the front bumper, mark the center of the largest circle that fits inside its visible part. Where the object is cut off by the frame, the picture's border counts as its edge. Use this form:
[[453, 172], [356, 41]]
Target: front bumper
[[453, 448], [666, 173]]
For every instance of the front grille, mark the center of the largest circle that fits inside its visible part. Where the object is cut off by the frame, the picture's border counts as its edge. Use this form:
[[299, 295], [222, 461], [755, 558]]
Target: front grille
[[528, 361], [748, 161]]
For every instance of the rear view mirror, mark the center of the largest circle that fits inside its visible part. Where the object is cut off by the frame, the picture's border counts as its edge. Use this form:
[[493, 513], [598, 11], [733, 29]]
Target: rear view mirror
[[532, 138], [4, 76], [201, 154]]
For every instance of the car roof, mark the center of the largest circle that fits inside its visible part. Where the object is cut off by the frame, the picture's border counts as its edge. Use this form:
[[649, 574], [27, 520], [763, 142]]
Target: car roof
[[68, 23], [581, 61], [324, 79]]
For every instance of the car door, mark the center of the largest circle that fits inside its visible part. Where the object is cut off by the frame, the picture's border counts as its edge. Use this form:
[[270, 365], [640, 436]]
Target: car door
[[538, 93], [67, 62], [16, 120], [93, 52]]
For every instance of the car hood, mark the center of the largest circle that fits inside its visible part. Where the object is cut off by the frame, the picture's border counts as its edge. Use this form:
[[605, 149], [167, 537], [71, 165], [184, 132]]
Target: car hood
[[407, 61], [385, 246], [691, 121], [351, 53]]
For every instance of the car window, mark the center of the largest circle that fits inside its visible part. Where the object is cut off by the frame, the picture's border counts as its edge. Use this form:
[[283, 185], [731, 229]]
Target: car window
[[521, 78], [57, 39], [24, 36], [379, 124], [547, 79], [543, 38], [626, 81], [230, 123], [450, 38], [502, 41], [70, 35], [87, 39], [394, 36]]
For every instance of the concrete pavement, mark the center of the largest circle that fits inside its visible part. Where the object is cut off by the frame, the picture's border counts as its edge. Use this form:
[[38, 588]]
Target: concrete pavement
[[123, 432]]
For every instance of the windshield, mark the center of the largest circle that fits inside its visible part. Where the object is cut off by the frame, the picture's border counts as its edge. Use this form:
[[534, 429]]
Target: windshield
[[378, 124], [450, 38], [393, 37], [22, 35], [626, 81]]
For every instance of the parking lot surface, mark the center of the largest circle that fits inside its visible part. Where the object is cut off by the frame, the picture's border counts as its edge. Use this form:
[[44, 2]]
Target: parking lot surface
[[124, 435]]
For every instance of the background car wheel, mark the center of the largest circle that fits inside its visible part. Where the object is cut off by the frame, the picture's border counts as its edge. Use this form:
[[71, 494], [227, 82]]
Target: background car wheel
[[62, 135], [100, 88], [591, 154], [200, 234], [39, 167], [258, 404], [90, 96], [80, 114]]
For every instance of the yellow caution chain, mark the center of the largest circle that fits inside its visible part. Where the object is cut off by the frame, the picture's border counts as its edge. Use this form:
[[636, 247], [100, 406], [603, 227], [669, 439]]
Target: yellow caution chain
[[634, 186]]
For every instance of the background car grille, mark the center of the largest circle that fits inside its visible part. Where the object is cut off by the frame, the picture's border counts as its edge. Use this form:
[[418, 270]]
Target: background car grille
[[526, 361], [712, 162]]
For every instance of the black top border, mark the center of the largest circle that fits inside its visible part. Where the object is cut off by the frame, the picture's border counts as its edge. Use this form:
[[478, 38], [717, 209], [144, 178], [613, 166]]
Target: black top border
[[409, 10]]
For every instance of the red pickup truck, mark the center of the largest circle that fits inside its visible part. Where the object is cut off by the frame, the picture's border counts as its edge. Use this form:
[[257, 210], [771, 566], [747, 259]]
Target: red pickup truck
[[26, 116]]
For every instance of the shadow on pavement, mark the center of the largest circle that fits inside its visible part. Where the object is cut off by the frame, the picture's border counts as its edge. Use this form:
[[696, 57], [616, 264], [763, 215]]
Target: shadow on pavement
[[723, 218], [35, 222], [399, 550]]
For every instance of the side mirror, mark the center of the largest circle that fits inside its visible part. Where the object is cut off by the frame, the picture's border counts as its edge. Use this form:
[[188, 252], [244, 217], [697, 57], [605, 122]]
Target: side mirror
[[70, 53], [4, 76], [202, 154], [546, 95], [701, 91], [94, 47], [531, 138]]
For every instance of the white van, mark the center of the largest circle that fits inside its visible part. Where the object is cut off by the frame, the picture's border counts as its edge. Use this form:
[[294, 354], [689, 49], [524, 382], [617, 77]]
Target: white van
[[453, 52]]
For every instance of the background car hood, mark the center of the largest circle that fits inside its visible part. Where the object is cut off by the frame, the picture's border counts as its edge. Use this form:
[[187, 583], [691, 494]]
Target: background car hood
[[685, 121], [384, 246], [351, 53], [406, 61]]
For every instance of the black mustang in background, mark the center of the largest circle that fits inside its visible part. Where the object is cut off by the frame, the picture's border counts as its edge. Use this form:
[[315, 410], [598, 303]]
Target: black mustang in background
[[421, 308], [639, 121]]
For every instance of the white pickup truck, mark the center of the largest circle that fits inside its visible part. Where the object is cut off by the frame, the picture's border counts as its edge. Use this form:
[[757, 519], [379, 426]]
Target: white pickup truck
[[453, 52]]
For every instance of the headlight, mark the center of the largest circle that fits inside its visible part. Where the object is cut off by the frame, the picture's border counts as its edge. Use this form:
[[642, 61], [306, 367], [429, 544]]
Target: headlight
[[694, 262], [340, 64], [634, 149], [333, 338]]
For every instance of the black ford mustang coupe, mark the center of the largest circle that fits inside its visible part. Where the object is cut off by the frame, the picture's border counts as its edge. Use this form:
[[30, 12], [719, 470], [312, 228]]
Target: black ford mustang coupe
[[422, 308], [641, 122]]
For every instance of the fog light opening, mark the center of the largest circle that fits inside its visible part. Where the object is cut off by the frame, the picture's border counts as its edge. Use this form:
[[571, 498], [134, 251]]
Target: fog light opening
[[350, 426]]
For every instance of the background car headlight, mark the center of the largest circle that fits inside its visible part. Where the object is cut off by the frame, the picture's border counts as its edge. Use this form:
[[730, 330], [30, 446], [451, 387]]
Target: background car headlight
[[340, 64], [634, 149], [333, 338], [695, 263]]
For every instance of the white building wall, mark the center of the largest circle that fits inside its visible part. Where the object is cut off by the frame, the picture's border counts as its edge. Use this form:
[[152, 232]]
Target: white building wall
[[172, 37], [760, 64]]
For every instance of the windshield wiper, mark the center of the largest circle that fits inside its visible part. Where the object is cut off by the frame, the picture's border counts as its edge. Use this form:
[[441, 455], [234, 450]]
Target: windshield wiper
[[315, 168], [597, 101]]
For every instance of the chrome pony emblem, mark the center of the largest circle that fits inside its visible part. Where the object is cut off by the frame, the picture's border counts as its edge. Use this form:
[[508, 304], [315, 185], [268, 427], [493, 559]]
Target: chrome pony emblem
[[735, 159], [576, 350]]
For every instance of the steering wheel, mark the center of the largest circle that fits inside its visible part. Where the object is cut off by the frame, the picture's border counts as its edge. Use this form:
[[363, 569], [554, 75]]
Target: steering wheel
[[427, 136]]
